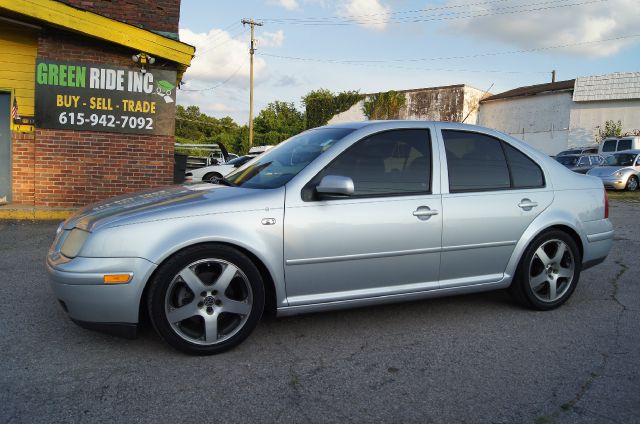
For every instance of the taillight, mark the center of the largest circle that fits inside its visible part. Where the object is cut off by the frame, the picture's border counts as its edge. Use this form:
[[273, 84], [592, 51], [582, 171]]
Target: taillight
[[606, 204]]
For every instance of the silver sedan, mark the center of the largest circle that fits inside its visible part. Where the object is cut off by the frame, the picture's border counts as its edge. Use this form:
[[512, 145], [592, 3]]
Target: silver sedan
[[336, 217], [620, 171]]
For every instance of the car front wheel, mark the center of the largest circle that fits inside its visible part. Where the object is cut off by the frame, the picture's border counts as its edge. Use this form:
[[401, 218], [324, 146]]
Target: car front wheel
[[206, 299], [548, 272]]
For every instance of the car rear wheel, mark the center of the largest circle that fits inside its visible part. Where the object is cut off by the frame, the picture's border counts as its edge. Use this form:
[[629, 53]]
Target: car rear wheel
[[548, 272], [632, 183], [206, 299]]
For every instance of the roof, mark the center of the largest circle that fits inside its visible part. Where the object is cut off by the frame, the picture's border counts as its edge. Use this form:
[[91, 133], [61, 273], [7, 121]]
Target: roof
[[98, 26], [616, 86], [442, 87], [532, 90]]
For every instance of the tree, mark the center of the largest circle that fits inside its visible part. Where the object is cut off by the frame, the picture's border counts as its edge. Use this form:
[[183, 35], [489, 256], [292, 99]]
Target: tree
[[321, 105], [277, 122], [384, 105], [611, 129]]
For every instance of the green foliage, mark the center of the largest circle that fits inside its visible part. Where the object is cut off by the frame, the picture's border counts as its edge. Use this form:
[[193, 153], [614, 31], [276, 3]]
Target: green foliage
[[384, 105], [321, 105], [611, 129], [195, 127], [277, 122]]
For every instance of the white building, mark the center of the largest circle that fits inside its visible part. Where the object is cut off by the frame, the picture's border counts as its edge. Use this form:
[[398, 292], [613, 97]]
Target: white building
[[454, 103], [538, 114], [598, 99], [565, 114]]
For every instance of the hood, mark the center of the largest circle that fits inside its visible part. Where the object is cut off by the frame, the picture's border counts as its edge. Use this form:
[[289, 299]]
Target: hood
[[603, 171], [160, 203]]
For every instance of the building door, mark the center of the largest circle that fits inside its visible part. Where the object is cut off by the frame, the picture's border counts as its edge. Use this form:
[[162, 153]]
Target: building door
[[5, 147]]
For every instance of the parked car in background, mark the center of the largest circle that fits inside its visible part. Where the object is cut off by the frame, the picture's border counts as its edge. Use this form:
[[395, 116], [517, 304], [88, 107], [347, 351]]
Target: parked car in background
[[256, 150], [340, 216], [620, 171], [579, 151], [580, 163], [214, 172], [617, 144]]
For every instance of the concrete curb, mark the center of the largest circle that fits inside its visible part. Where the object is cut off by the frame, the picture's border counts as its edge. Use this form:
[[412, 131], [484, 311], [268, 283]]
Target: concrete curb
[[34, 214]]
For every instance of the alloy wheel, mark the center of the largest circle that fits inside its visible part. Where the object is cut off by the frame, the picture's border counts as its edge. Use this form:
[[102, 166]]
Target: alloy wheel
[[208, 301], [551, 270]]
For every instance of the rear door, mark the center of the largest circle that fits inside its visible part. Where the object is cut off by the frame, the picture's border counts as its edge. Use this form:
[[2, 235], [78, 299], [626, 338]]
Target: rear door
[[491, 193]]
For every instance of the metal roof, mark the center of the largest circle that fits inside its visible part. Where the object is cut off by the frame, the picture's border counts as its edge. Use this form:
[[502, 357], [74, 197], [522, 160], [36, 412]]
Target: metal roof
[[532, 90], [616, 86]]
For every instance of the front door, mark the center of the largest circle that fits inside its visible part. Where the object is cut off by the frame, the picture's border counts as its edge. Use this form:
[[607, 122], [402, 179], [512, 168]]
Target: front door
[[5, 147], [383, 240]]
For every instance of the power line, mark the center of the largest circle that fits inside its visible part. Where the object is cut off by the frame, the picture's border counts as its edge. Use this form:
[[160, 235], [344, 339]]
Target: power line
[[400, 12], [443, 16], [231, 38], [471, 56], [217, 85]]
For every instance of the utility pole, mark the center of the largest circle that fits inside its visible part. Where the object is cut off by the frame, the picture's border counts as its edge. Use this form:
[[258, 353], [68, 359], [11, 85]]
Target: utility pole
[[252, 50]]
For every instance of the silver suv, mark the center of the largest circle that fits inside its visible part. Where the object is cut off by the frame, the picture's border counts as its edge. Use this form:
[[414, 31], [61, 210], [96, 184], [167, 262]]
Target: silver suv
[[336, 217]]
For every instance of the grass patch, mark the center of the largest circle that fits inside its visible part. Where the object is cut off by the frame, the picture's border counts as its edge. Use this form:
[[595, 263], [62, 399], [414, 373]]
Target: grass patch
[[624, 195]]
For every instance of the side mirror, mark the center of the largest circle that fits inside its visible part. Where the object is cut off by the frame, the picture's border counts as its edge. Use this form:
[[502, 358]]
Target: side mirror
[[335, 186]]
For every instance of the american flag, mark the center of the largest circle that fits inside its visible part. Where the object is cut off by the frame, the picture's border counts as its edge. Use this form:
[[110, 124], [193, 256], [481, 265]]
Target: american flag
[[14, 109]]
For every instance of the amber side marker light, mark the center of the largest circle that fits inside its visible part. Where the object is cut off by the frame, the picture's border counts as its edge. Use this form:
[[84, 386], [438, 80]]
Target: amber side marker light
[[117, 278]]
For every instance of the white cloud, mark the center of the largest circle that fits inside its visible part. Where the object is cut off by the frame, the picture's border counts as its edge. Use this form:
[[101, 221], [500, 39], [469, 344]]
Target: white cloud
[[371, 14], [288, 4], [219, 57], [591, 22], [271, 39]]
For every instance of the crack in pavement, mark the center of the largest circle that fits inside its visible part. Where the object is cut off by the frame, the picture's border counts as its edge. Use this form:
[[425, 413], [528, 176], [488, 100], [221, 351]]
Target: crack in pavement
[[584, 387]]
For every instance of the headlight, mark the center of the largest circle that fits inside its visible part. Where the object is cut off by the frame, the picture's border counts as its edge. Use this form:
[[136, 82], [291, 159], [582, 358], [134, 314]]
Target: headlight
[[617, 174], [73, 243]]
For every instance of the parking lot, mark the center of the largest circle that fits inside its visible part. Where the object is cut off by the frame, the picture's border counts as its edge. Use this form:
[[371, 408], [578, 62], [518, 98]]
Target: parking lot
[[476, 359]]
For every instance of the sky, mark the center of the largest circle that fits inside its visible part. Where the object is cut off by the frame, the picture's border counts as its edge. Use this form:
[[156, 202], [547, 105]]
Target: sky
[[380, 45]]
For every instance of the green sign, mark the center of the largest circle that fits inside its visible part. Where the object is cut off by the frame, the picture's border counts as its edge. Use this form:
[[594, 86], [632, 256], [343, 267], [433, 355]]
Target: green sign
[[95, 97]]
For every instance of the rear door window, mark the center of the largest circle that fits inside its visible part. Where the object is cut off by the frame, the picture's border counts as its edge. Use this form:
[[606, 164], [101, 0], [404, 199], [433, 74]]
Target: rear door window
[[478, 162]]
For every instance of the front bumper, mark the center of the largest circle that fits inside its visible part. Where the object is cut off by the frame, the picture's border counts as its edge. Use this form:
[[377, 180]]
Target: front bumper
[[615, 183], [78, 285]]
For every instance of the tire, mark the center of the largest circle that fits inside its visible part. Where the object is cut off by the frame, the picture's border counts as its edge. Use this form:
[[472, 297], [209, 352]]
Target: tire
[[546, 276], [210, 176], [206, 299], [632, 183]]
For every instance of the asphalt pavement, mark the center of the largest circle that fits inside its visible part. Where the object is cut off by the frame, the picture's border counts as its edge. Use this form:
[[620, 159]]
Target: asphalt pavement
[[472, 359]]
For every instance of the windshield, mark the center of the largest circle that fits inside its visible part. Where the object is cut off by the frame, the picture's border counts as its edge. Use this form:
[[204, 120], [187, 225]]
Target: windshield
[[567, 160], [621, 159], [240, 160], [277, 166]]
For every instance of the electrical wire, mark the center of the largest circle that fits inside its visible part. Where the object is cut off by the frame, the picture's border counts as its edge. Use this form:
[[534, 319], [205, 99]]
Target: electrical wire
[[231, 38], [471, 56], [217, 85], [337, 21]]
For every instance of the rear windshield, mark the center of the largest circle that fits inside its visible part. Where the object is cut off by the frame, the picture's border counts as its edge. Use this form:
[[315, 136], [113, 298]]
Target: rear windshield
[[567, 160]]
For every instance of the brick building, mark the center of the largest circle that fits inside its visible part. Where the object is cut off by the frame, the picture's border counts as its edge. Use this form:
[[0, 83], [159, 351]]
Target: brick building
[[87, 98]]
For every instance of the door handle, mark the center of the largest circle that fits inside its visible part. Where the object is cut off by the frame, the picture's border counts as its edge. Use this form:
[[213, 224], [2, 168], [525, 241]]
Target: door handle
[[424, 212], [527, 204]]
